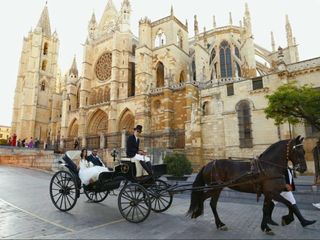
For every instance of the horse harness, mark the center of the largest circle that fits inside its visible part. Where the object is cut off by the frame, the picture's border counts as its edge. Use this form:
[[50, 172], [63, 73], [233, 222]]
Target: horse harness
[[257, 173]]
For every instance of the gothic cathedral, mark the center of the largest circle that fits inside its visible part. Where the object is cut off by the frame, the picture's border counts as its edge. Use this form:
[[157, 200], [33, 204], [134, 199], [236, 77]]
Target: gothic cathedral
[[201, 93]]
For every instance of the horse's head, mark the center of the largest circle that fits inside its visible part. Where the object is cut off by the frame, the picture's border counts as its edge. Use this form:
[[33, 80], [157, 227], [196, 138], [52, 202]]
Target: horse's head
[[295, 153]]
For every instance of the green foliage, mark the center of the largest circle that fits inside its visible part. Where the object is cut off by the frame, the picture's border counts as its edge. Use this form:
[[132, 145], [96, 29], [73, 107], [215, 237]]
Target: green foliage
[[178, 164], [295, 104]]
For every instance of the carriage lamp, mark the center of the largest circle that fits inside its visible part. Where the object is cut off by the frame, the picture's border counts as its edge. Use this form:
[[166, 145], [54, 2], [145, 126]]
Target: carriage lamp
[[114, 154]]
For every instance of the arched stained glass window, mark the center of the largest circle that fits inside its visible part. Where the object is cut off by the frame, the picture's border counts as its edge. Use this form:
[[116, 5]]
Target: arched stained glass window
[[205, 108], [225, 60], [244, 120], [45, 48], [44, 65], [160, 39], [160, 75], [194, 71]]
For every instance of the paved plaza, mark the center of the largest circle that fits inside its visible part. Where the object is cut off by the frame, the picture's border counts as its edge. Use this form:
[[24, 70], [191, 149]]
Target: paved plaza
[[27, 212]]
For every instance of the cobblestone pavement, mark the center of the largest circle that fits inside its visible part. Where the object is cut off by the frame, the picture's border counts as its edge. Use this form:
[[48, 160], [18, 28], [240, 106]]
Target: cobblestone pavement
[[26, 211]]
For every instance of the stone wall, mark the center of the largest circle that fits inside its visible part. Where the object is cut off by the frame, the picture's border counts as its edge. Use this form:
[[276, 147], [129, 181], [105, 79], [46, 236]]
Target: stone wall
[[45, 160]]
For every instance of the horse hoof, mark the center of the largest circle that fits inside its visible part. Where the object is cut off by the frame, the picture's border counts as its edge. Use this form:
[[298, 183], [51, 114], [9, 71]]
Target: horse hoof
[[223, 228], [269, 232]]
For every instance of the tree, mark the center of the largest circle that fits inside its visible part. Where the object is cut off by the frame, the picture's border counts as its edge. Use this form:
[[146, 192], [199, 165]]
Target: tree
[[294, 104]]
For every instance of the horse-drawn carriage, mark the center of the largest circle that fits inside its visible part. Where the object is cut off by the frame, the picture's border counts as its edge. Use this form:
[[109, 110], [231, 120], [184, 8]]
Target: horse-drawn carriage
[[138, 196]]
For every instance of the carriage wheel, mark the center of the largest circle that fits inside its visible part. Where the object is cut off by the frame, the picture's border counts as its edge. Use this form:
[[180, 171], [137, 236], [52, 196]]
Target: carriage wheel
[[134, 203], [160, 198], [63, 191], [96, 197]]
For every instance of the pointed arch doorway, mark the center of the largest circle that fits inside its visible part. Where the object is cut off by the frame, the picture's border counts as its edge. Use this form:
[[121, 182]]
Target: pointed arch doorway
[[97, 130]]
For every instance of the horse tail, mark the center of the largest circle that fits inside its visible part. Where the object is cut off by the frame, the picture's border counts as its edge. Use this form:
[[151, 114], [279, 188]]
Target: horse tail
[[196, 203]]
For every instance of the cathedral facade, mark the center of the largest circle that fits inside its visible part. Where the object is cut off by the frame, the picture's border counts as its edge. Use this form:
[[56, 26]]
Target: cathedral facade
[[201, 93]]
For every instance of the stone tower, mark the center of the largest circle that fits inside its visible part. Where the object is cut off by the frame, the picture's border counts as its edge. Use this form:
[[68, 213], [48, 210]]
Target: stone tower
[[162, 61], [36, 110], [70, 98], [107, 74]]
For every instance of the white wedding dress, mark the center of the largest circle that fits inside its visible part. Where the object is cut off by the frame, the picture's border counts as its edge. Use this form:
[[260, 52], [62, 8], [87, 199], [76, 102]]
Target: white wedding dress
[[88, 171]]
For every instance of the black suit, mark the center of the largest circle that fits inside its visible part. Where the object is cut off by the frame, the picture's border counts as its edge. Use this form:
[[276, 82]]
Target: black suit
[[132, 146], [95, 160], [286, 174]]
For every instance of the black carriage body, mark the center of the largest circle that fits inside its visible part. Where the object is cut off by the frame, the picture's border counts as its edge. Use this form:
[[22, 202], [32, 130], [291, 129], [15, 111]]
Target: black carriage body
[[108, 181], [138, 196]]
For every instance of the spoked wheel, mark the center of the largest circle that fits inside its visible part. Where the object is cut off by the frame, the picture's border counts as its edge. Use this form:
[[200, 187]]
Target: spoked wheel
[[160, 198], [134, 203], [63, 191], [96, 196]]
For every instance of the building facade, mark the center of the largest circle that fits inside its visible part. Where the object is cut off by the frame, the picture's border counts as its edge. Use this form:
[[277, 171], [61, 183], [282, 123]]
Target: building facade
[[202, 93], [5, 132], [37, 101]]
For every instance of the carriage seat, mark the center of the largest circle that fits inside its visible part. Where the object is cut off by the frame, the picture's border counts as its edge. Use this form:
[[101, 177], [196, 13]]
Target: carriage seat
[[139, 169]]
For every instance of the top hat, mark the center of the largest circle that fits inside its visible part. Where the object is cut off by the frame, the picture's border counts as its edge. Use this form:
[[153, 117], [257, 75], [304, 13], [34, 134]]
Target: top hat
[[138, 128]]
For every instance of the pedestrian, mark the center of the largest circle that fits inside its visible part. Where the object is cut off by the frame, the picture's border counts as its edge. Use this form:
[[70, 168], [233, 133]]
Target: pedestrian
[[30, 145], [14, 140], [23, 142], [76, 144], [36, 143], [19, 143]]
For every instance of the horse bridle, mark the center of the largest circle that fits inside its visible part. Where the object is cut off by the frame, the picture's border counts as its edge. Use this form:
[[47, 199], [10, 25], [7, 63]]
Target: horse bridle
[[287, 157], [295, 166]]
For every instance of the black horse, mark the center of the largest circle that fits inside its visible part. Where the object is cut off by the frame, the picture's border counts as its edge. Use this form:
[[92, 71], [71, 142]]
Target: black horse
[[267, 178]]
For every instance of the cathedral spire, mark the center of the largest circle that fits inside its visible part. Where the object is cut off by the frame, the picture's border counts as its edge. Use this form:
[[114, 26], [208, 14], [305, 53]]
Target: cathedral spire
[[93, 19], [110, 4], [230, 18], [187, 23], [125, 16], [44, 22], [196, 26], [247, 12], [171, 11], [273, 43], [214, 21], [74, 70], [205, 39], [92, 26], [289, 32], [247, 20], [109, 17]]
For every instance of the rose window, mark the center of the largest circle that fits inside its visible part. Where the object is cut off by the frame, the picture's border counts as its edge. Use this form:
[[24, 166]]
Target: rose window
[[103, 66]]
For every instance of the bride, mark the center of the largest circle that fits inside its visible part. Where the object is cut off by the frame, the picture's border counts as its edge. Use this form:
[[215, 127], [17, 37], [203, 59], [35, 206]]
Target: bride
[[88, 172]]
